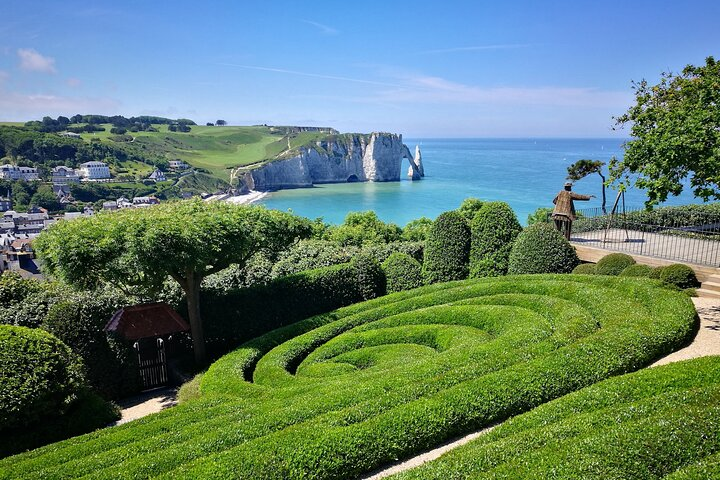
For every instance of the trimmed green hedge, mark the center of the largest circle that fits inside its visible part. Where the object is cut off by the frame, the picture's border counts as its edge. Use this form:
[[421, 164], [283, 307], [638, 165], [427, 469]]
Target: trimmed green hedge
[[613, 264], [660, 422], [43, 397], [446, 249], [585, 269], [494, 230], [234, 316], [402, 272], [679, 275], [637, 270], [540, 248], [346, 392]]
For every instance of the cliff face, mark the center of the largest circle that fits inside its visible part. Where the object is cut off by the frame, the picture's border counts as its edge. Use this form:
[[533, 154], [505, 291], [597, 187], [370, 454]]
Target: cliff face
[[351, 158]]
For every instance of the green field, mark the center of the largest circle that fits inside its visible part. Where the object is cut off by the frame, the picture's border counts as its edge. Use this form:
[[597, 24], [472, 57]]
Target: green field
[[346, 392]]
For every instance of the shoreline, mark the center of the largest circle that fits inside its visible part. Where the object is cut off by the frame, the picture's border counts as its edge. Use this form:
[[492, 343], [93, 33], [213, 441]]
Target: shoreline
[[248, 198]]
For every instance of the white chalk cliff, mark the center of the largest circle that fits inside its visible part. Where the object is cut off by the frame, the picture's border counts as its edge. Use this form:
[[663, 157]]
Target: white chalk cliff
[[344, 158]]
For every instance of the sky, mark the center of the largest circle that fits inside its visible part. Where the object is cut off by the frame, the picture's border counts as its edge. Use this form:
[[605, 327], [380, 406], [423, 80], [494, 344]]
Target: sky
[[420, 68]]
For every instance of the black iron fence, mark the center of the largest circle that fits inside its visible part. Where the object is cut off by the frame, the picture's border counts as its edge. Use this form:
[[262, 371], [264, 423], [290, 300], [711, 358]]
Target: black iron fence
[[688, 234]]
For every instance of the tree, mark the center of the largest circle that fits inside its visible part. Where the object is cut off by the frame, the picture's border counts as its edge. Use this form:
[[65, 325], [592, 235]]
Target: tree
[[220, 123], [676, 135], [583, 168], [45, 198], [184, 240]]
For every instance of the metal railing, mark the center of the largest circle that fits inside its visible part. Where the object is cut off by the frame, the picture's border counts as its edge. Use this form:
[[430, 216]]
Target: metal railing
[[683, 234]]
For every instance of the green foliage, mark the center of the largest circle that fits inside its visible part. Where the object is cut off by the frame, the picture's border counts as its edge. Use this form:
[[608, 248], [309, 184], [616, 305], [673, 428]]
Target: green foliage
[[311, 254], [637, 270], [656, 272], [583, 168], [679, 275], [657, 423], [42, 393], [343, 393], [417, 230], [585, 269], [402, 272], [239, 315], [469, 207], [447, 249], [494, 230], [675, 127], [360, 228], [613, 264], [381, 251], [540, 215], [540, 248], [190, 390]]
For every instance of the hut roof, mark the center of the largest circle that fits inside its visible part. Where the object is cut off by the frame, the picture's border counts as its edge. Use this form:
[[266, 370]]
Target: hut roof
[[148, 320]]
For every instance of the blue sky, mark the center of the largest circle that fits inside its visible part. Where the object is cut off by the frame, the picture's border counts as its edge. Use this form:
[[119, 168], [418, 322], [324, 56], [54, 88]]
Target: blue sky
[[420, 68]]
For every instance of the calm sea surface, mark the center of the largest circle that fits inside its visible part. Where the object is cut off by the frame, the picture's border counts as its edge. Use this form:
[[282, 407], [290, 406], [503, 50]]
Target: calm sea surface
[[525, 173]]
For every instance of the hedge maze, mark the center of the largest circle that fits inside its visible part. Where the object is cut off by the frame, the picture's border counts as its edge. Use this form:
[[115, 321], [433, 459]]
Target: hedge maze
[[346, 392]]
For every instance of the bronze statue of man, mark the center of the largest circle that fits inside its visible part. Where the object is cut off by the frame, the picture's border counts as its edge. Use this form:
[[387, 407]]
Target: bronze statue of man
[[564, 212]]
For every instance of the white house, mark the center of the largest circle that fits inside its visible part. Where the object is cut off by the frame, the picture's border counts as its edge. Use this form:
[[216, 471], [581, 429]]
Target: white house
[[178, 165], [94, 170], [62, 175], [13, 172], [157, 176]]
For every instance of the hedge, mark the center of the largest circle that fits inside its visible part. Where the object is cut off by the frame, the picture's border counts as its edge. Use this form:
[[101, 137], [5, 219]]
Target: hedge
[[585, 269], [637, 270], [613, 264], [494, 230], [657, 423], [402, 272], [679, 275], [446, 249], [343, 393], [540, 248], [234, 316], [41, 388]]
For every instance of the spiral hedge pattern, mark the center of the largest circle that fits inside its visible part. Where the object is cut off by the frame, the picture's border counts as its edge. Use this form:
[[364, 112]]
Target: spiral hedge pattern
[[660, 422], [346, 392]]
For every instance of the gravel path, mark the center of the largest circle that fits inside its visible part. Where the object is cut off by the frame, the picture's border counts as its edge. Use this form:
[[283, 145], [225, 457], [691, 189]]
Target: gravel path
[[146, 403]]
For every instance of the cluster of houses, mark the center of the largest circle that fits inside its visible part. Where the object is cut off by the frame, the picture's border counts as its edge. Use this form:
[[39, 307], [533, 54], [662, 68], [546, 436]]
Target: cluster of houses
[[87, 172]]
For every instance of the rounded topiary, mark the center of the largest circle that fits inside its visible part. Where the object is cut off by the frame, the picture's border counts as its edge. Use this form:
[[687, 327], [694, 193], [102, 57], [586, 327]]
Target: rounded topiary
[[402, 272], [585, 269], [679, 275], [370, 277], [494, 229], [40, 376], [637, 270], [614, 263], [446, 249], [540, 248], [656, 272]]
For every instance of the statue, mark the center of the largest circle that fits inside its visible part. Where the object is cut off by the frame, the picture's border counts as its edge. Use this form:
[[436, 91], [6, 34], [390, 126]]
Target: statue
[[564, 212]]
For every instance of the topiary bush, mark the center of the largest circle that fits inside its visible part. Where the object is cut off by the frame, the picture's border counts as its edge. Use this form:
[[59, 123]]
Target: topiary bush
[[348, 391], [447, 249], [402, 272], [637, 270], [680, 276], [494, 229], [613, 264], [585, 269], [540, 248], [42, 391], [656, 272]]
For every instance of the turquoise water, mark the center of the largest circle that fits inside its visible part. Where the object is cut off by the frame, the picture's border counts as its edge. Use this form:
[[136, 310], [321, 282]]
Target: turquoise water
[[525, 173]]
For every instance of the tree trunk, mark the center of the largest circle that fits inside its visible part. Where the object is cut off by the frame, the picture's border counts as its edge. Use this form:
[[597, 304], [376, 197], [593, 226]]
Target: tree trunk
[[603, 192], [192, 293]]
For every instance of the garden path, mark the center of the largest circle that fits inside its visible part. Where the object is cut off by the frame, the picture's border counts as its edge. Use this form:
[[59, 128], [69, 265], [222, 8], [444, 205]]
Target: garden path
[[146, 403]]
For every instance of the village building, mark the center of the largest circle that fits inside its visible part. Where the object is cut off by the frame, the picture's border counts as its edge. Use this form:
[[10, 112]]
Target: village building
[[94, 170], [13, 172], [178, 165], [145, 201], [5, 204], [157, 176], [62, 175]]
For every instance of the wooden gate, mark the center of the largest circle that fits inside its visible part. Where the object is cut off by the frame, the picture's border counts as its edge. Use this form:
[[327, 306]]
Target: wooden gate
[[152, 361]]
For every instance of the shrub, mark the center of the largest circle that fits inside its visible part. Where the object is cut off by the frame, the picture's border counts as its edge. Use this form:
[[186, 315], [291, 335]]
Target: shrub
[[494, 230], [614, 263], [311, 254], [540, 248], [342, 393], [680, 276], [585, 269], [381, 251], [417, 230], [540, 215], [360, 228], [637, 270], [469, 207], [656, 272], [402, 272], [238, 315], [446, 249], [42, 393]]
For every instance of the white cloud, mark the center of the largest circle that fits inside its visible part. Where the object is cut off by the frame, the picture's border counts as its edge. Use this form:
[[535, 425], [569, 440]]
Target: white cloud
[[324, 29], [19, 106], [32, 61]]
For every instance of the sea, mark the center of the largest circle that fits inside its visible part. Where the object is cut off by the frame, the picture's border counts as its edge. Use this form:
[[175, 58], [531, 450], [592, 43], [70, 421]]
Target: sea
[[525, 173]]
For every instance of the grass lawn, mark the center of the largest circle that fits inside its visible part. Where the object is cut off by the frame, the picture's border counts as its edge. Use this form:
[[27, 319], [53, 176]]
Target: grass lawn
[[346, 392]]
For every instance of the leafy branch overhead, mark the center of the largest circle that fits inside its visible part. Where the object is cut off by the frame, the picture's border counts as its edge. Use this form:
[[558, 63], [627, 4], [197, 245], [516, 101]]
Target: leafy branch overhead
[[675, 127]]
